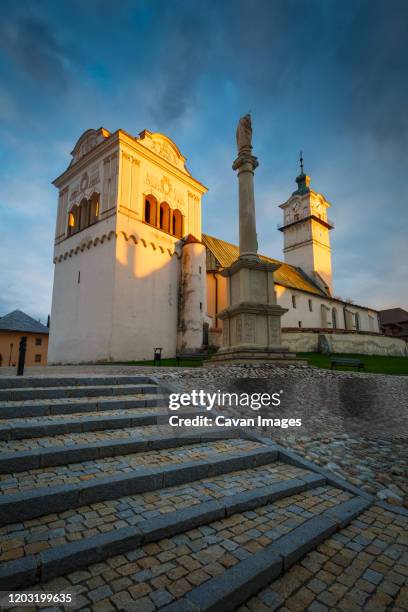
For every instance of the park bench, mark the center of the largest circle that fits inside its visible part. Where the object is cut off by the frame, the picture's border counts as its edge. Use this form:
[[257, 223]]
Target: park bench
[[343, 361], [189, 357]]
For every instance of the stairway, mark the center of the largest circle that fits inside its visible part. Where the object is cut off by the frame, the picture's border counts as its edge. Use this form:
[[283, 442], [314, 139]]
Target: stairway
[[100, 497]]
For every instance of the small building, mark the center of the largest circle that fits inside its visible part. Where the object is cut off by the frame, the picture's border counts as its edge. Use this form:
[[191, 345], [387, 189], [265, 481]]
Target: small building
[[12, 327], [394, 322]]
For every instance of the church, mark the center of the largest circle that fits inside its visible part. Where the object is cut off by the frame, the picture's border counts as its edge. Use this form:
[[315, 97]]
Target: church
[[133, 270]]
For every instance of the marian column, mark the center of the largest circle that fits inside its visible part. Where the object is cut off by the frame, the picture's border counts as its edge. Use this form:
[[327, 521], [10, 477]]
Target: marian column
[[245, 165], [251, 323]]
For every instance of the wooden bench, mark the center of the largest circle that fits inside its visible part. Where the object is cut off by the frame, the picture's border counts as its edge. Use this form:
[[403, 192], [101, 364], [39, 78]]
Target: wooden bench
[[343, 361], [189, 357]]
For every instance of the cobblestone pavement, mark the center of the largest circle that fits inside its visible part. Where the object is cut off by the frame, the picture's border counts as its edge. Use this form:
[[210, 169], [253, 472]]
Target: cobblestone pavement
[[52, 530], [363, 567], [158, 573], [353, 424], [76, 473]]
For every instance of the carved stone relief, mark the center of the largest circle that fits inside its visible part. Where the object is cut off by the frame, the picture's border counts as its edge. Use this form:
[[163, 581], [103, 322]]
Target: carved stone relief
[[249, 328]]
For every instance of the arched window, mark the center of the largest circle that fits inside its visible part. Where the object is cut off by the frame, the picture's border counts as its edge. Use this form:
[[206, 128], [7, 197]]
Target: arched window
[[177, 229], [165, 217], [357, 320], [334, 318], [94, 208], [150, 208], [73, 220]]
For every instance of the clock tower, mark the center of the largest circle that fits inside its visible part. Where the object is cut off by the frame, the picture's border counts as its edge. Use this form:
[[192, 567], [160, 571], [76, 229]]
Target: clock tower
[[306, 232]]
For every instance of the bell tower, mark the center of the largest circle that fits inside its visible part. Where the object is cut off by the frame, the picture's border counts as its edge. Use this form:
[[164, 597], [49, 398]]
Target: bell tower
[[306, 232]]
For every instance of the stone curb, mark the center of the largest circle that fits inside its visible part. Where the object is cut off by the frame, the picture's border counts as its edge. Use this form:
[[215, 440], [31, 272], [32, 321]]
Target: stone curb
[[9, 395], [61, 455], [71, 381], [391, 508], [226, 592], [91, 405], [77, 425], [31, 504], [69, 557]]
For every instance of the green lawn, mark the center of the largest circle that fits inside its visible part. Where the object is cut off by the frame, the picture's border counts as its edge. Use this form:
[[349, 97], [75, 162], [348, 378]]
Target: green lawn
[[372, 363]]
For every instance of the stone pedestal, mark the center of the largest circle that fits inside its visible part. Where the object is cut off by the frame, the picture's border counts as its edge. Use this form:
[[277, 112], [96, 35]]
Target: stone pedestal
[[251, 323]]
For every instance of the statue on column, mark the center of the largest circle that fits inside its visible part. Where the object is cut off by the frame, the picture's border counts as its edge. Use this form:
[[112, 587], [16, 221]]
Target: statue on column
[[244, 133]]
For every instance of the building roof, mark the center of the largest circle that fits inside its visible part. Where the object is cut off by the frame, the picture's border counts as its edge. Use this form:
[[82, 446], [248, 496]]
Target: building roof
[[393, 315], [289, 276], [21, 322]]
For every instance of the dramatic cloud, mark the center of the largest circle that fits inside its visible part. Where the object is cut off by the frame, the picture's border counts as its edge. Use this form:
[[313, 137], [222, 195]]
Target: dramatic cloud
[[325, 76]]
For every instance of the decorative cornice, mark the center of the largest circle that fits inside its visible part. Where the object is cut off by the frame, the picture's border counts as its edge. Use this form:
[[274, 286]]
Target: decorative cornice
[[107, 237]]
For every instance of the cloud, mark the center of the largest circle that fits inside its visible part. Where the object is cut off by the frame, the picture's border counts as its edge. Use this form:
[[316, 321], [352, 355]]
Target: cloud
[[33, 46]]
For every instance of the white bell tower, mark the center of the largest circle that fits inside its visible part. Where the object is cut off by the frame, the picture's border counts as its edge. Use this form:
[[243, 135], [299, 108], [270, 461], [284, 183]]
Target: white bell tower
[[306, 232]]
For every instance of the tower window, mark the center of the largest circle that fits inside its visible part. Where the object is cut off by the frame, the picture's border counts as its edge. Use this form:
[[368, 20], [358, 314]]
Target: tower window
[[334, 318], [147, 211], [294, 301], [310, 306]]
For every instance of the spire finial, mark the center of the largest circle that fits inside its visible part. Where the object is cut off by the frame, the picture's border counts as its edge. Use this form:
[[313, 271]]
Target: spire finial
[[301, 162]]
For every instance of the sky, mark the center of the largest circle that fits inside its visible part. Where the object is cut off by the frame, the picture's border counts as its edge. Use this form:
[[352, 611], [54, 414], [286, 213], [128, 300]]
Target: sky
[[327, 77]]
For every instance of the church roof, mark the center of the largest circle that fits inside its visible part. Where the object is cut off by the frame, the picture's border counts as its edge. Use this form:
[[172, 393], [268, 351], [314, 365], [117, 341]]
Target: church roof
[[288, 276], [21, 322]]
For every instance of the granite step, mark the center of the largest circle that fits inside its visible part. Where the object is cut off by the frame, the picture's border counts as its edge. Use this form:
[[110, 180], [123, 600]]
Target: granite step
[[30, 454], [101, 403], [171, 507], [20, 429], [211, 557], [150, 471], [20, 382], [35, 393]]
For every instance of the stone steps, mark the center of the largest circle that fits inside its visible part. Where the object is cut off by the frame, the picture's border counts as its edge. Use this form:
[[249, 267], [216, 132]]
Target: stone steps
[[92, 530], [213, 555], [192, 519], [15, 382], [27, 393], [19, 429], [75, 448], [54, 407]]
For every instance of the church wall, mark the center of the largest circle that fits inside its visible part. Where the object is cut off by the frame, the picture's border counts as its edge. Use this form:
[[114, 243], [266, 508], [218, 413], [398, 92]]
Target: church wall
[[146, 301], [82, 305], [338, 342], [302, 313]]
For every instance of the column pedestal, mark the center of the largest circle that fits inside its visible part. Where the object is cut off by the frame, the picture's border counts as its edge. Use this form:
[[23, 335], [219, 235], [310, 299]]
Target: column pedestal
[[251, 323]]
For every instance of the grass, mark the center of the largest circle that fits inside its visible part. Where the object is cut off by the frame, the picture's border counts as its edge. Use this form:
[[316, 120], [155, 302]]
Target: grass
[[378, 364]]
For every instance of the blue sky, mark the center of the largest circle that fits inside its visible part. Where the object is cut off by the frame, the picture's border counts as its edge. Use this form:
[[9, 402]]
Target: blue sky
[[325, 76]]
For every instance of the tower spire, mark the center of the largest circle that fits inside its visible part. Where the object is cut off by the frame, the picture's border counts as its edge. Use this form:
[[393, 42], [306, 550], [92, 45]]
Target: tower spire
[[303, 181]]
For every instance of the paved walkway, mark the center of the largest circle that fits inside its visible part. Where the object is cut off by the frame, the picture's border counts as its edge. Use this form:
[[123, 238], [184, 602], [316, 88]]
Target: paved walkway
[[364, 567]]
